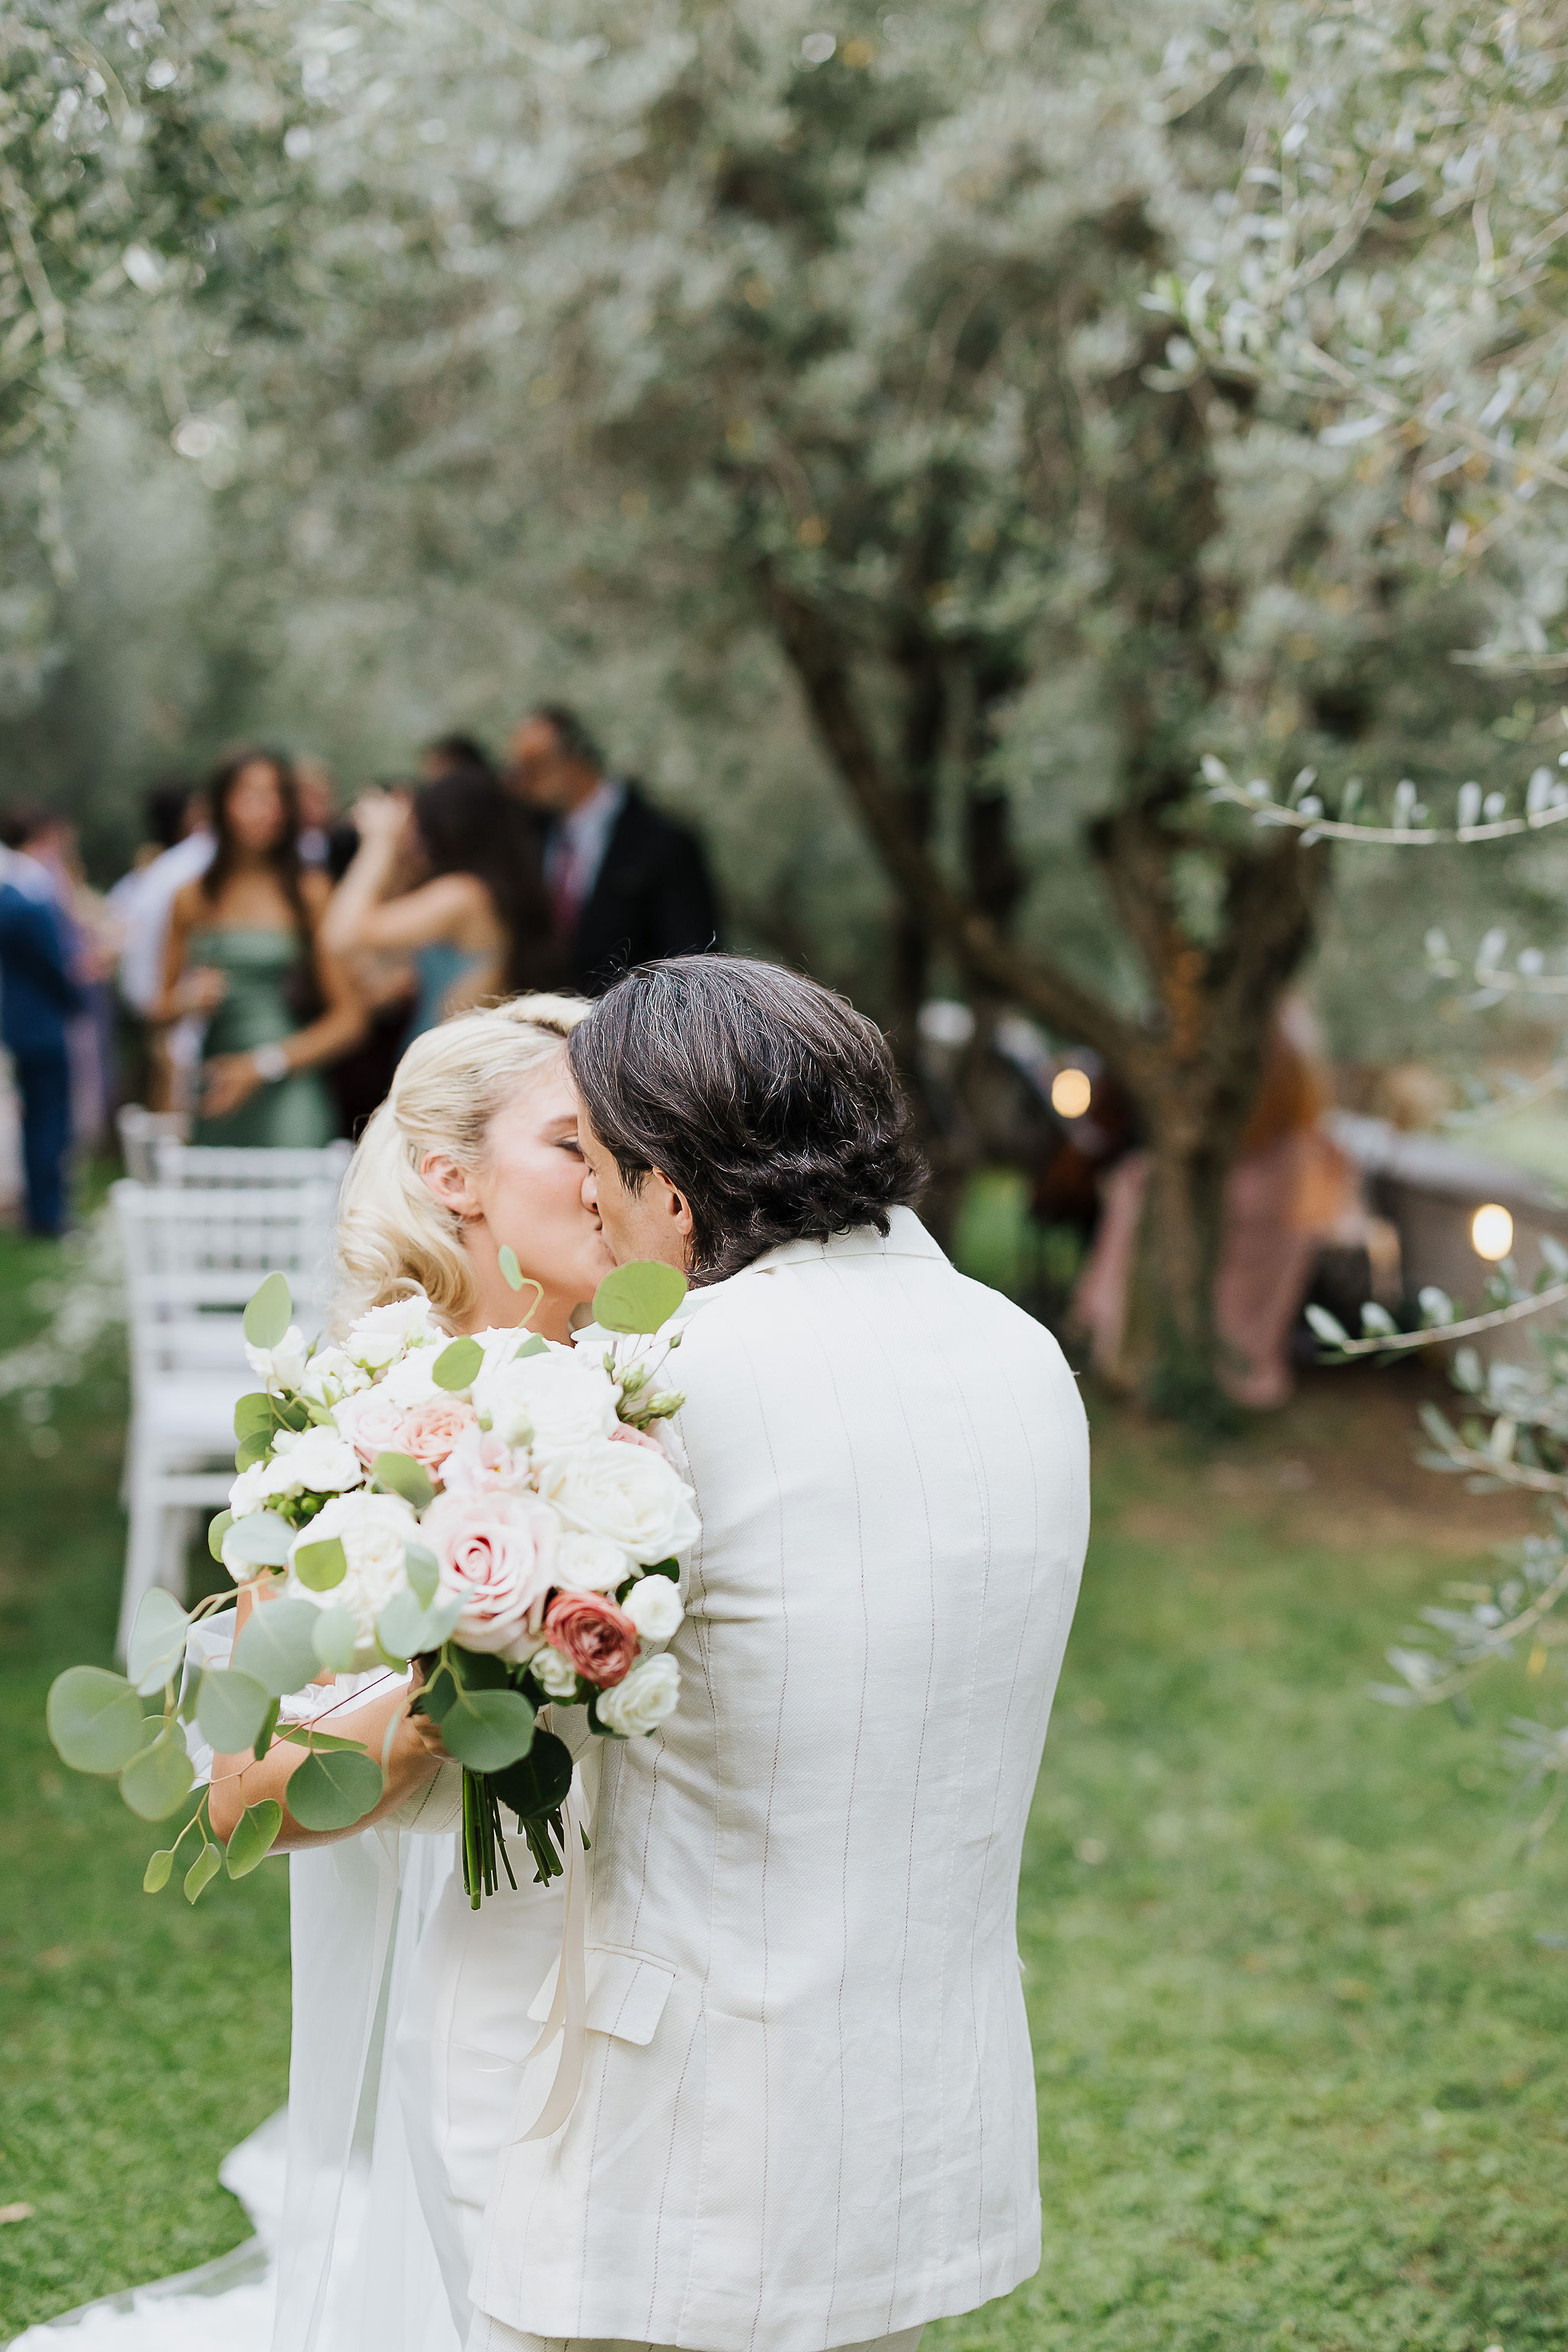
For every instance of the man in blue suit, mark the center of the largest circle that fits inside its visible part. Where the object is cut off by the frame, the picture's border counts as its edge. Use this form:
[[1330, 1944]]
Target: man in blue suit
[[38, 995]]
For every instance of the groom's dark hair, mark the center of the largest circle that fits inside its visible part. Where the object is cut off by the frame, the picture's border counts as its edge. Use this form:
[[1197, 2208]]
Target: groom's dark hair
[[770, 1102]]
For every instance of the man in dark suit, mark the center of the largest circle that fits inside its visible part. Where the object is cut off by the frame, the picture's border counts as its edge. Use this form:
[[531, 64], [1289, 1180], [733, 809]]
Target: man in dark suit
[[626, 884], [38, 995]]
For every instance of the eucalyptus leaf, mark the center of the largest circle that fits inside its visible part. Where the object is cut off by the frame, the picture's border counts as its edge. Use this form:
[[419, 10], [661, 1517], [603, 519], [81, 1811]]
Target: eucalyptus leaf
[[639, 1298], [253, 1412], [335, 1639], [254, 1833], [216, 1530], [155, 1877], [489, 1730], [328, 1743], [321, 1567], [424, 1572], [458, 1366], [252, 1450], [260, 1539], [157, 1643], [399, 1474], [510, 1272], [156, 1782], [277, 1644], [268, 1317], [404, 1629], [534, 1345], [332, 1792], [94, 1719], [203, 1871], [263, 1740], [231, 1709]]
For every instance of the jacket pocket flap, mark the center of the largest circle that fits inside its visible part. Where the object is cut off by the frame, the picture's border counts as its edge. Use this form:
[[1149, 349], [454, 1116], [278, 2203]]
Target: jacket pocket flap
[[626, 1993]]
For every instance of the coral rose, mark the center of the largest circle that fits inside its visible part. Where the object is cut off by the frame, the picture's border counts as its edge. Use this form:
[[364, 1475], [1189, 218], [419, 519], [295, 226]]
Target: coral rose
[[599, 1639]]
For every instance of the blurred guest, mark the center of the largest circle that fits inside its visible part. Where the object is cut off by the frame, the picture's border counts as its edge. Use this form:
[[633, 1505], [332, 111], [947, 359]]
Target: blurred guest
[[244, 952], [179, 847], [1290, 1187], [39, 997], [474, 916], [626, 883], [456, 755], [318, 808]]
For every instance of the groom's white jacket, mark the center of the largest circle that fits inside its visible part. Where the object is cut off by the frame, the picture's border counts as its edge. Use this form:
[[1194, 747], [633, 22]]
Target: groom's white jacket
[[807, 2115]]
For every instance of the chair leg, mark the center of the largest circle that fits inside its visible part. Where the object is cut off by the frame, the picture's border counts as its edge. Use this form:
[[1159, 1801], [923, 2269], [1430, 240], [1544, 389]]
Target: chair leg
[[143, 1549]]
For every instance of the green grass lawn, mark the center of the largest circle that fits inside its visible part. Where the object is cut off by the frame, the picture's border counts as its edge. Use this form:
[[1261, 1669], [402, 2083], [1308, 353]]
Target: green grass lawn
[[1301, 2056]]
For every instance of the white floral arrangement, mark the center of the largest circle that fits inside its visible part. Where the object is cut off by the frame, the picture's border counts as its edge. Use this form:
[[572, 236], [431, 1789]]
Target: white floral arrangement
[[498, 1509]]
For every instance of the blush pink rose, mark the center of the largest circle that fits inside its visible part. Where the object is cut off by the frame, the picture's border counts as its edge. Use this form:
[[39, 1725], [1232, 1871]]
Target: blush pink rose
[[497, 1554], [599, 1639], [624, 1433], [480, 1463], [431, 1430], [373, 1425]]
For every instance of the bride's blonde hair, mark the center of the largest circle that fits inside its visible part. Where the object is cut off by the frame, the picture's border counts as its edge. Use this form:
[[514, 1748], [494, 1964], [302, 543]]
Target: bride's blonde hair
[[450, 1084]]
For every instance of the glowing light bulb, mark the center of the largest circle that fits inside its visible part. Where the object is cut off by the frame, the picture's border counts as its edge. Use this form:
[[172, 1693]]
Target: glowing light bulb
[[1070, 1093], [1491, 1231]]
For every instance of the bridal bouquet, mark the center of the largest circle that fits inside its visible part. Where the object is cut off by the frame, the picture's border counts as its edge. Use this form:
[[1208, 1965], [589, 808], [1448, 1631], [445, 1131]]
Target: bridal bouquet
[[495, 1509]]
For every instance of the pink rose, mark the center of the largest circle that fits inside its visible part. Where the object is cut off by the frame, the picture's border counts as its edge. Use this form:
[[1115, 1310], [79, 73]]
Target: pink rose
[[371, 1424], [479, 1464], [624, 1435], [496, 1553], [431, 1430], [599, 1639]]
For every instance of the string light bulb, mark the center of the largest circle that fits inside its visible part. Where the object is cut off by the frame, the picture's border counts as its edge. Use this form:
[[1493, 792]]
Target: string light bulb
[[1491, 1231]]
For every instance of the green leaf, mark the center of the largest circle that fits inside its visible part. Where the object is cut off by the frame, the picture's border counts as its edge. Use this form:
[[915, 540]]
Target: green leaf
[[1331, 1332], [155, 1877], [536, 1345], [252, 1450], [260, 1539], [404, 1629], [332, 1792], [538, 1782], [329, 1743], [670, 1567], [203, 1871], [253, 1835], [190, 1691], [320, 1566], [157, 1644], [277, 1644], [489, 1730], [458, 1366], [94, 1719], [231, 1710], [335, 1639], [156, 1782], [399, 1474], [510, 1272], [216, 1530], [424, 1572], [639, 1296], [264, 1737], [253, 1412], [268, 1317]]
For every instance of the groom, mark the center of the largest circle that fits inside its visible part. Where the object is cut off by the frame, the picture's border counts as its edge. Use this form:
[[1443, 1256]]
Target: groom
[[807, 2114]]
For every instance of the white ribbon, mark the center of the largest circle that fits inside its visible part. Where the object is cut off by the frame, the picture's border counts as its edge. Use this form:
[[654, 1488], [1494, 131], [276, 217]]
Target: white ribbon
[[568, 2006]]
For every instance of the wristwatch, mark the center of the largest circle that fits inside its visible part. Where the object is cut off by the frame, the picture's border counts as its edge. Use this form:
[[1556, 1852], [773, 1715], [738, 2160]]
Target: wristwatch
[[270, 1064]]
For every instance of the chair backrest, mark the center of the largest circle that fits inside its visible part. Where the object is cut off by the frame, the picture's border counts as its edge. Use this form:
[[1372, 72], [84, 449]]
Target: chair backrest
[[237, 1167], [139, 1130], [195, 1255]]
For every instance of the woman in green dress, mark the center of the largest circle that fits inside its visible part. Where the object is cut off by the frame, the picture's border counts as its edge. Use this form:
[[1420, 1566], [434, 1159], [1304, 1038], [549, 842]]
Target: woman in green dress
[[244, 954]]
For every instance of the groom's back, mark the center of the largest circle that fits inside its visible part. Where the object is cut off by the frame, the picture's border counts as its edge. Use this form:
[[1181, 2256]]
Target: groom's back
[[823, 1843]]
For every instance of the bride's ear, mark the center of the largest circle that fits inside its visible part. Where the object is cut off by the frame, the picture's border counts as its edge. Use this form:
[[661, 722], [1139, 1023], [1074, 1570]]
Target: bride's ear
[[446, 1181]]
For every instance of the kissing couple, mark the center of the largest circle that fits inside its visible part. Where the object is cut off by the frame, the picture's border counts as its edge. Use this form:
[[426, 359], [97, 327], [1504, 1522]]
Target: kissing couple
[[805, 2112]]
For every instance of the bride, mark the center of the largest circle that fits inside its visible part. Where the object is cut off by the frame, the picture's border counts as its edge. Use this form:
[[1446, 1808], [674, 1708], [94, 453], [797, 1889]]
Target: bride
[[410, 2011]]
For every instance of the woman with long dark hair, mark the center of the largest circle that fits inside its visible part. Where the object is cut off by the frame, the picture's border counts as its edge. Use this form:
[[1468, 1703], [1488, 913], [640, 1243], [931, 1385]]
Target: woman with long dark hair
[[474, 916], [244, 952]]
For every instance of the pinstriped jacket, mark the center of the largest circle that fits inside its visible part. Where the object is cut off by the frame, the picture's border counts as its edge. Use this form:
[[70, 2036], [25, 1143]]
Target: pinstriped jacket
[[807, 2115]]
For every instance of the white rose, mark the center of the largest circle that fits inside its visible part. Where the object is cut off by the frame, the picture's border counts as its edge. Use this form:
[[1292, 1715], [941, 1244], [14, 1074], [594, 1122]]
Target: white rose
[[374, 1530], [311, 1462], [412, 1381], [249, 1490], [331, 1375], [379, 1338], [630, 1493], [282, 1367], [653, 1607], [556, 1675], [590, 1564], [643, 1699], [552, 1401]]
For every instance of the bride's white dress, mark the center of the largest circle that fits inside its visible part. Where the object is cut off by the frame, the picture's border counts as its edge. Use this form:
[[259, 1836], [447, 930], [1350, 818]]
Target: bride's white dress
[[410, 2022]]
